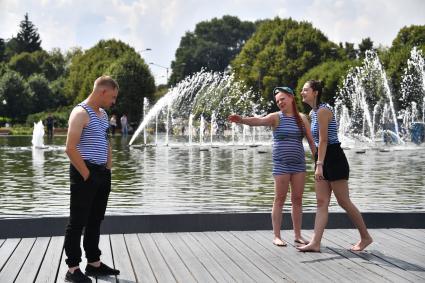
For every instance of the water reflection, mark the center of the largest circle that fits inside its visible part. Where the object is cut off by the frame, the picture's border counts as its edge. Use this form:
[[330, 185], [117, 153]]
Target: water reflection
[[182, 179]]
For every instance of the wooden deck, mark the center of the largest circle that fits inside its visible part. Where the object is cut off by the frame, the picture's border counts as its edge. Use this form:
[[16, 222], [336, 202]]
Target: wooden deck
[[397, 255]]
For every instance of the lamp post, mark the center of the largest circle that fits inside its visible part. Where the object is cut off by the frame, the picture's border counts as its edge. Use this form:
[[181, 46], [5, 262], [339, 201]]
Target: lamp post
[[166, 68]]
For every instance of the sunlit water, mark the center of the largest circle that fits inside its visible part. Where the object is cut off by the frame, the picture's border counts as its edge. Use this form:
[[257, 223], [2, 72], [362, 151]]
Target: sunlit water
[[183, 179]]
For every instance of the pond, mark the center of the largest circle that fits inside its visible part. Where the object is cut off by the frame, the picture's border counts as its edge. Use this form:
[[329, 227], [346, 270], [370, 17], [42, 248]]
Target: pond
[[180, 179]]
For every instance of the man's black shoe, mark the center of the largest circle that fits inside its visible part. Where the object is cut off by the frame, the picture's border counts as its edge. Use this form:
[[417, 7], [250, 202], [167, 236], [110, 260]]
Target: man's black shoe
[[77, 276], [102, 270]]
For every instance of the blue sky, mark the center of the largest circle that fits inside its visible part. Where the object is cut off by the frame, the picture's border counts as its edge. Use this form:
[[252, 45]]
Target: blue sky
[[159, 24]]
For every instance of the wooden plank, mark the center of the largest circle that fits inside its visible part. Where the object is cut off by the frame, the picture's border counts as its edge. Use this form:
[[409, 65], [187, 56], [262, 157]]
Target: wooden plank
[[172, 259], [142, 269], [175, 264], [388, 270], [414, 235], [321, 266], [249, 252], [274, 256], [16, 260], [49, 266], [32, 264], [122, 258], [350, 270], [353, 262], [391, 254], [198, 271], [222, 258], [254, 252], [410, 246], [62, 268], [157, 263], [106, 257], [392, 246], [6, 250], [217, 272]]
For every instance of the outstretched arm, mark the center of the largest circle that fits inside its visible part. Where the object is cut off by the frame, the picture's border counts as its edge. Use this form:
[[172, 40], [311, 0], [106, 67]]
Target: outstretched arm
[[270, 120]]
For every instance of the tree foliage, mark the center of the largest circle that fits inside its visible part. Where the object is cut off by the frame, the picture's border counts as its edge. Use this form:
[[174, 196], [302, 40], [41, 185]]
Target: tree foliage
[[41, 93], [2, 49], [331, 74], [28, 39], [15, 96], [211, 46], [395, 58], [91, 64], [281, 51], [135, 81]]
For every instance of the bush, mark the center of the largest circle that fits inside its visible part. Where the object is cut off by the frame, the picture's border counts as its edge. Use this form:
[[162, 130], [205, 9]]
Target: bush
[[60, 116]]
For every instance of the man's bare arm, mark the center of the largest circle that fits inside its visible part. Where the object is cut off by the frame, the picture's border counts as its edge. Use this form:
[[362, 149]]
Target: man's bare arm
[[77, 121]]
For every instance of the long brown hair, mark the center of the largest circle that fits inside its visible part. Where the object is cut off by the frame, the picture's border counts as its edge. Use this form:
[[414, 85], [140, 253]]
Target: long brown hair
[[298, 118]]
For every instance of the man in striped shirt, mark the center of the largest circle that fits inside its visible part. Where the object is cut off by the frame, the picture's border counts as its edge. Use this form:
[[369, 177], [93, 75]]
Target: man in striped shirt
[[89, 152]]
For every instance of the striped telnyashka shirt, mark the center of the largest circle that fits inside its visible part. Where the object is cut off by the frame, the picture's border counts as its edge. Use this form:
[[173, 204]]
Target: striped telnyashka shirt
[[332, 127], [288, 151], [93, 145]]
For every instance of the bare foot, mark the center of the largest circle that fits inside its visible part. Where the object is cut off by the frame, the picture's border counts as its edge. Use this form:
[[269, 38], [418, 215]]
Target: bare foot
[[309, 248], [278, 242], [301, 240], [361, 245]]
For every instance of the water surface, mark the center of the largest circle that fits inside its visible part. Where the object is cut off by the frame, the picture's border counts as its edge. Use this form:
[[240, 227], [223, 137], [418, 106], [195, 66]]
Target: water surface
[[183, 179]]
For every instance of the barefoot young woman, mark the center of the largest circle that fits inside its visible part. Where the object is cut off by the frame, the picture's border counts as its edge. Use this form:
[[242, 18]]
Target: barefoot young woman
[[289, 128], [332, 170]]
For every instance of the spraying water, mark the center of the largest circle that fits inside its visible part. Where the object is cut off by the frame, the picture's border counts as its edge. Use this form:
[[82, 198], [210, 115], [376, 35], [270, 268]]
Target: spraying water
[[37, 135], [210, 95]]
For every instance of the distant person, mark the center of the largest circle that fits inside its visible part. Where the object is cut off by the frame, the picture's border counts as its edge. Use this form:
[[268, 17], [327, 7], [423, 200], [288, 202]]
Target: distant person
[[113, 124], [331, 170], [90, 155], [289, 129], [50, 124], [124, 125]]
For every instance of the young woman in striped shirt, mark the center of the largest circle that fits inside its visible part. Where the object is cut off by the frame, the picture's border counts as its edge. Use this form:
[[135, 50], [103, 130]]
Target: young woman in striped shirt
[[331, 170], [289, 128]]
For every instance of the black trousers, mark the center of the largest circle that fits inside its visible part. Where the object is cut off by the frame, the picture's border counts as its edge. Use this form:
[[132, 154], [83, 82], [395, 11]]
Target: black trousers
[[87, 210]]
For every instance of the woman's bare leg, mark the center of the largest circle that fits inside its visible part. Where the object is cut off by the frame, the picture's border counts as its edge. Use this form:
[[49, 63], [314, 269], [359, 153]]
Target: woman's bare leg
[[297, 190], [340, 189], [323, 197], [281, 189]]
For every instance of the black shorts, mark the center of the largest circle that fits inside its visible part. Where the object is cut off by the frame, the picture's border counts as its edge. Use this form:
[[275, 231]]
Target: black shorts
[[335, 165]]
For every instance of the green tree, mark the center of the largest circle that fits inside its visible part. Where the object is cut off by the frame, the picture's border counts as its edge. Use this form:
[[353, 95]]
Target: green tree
[[211, 46], [11, 49], [366, 44], [54, 65], [28, 38], [350, 51], [331, 74], [41, 93], [395, 58], [15, 96], [25, 64], [58, 97], [135, 81], [279, 52], [86, 67], [2, 49]]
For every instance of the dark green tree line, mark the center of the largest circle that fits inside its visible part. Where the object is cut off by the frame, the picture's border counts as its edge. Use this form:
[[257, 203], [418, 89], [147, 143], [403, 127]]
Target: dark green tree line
[[211, 46]]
